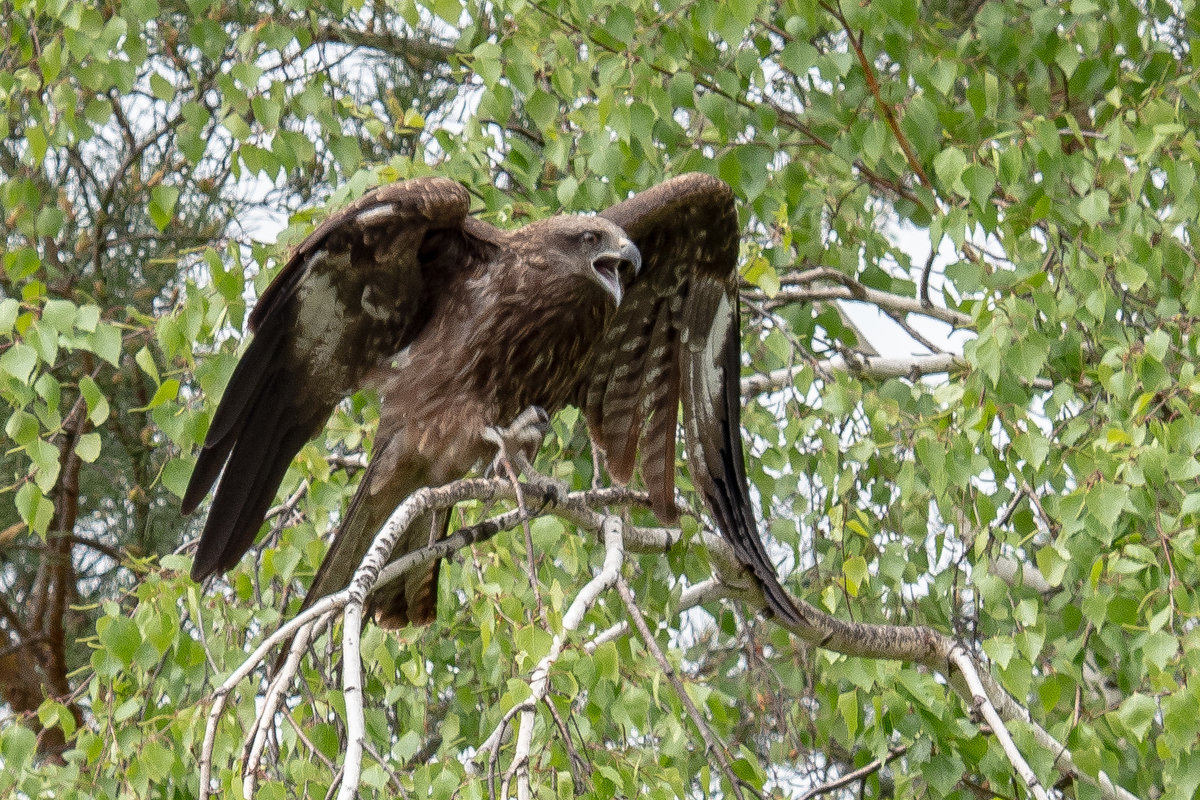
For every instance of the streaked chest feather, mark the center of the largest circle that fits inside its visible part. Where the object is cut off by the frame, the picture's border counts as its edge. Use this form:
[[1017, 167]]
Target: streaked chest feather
[[504, 348]]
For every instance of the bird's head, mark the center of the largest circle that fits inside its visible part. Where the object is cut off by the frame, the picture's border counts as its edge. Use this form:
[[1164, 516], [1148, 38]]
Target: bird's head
[[592, 247]]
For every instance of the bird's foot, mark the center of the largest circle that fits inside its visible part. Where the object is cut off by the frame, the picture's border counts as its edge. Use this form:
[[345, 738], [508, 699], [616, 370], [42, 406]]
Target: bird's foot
[[524, 435], [517, 444], [550, 491]]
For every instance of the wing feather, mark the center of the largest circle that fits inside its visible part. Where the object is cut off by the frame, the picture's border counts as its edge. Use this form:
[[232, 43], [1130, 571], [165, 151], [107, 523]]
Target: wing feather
[[352, 295], [660, 402], [687, 231], [621, 400]]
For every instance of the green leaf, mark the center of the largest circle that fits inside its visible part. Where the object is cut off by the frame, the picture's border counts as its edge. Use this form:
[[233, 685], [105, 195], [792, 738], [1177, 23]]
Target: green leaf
[[1106, 501], [162, 205], [1137, 713], [105, 342], [9, 309], [120, 637], [167, 391], [1093, 208], [145, 360], [36, 138], [49, 221], [22, 427], [855, 571], [486, 63], [88, 447], [161, 88], [17, 745], [46, 464], [847, 707], [949, 165], [19, 362], [97, 403], [35, 510]]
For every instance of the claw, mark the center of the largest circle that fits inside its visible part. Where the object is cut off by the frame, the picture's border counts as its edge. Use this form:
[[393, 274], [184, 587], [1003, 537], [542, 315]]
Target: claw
[[524, 435]]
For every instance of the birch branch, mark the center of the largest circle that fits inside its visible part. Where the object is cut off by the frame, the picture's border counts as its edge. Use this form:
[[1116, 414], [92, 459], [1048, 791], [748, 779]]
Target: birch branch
[[924, 646], [854, 776], [980, 700], [866, 366], [352, 677], [918, 644], [872, 367], [539, 680], [707, 591], [798, 288]]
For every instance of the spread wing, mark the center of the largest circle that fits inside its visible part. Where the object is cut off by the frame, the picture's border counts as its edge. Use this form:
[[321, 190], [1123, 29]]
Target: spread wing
[[354, 294], [676, 336]]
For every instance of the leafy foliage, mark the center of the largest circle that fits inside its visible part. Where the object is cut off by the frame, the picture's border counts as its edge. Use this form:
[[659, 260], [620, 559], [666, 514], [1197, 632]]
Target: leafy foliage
[[1039, 502]]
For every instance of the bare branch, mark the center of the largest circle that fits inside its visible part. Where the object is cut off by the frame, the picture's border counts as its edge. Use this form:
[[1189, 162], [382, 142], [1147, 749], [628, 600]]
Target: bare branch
[[714, 746], [871, 367], [873, 84], [794, 290], [981, 701], [855, 775]]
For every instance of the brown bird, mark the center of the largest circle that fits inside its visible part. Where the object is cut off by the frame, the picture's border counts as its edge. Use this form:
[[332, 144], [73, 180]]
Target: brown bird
[[461, 326]]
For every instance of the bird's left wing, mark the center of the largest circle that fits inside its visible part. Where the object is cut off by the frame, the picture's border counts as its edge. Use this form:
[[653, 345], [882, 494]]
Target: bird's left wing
[[676, 336], [353, 294]]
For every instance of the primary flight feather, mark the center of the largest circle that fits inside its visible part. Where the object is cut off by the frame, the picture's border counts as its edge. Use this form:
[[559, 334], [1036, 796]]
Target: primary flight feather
[[461, 326]]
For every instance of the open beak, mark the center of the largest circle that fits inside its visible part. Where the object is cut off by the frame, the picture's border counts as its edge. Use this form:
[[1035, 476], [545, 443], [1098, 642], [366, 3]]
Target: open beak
[[608, 266]]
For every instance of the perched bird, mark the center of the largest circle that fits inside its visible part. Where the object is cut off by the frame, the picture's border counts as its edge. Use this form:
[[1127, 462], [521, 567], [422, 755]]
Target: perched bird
[[461, 326]]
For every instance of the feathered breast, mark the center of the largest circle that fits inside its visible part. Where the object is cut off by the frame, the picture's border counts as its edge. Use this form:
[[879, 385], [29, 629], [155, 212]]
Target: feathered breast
[[534, 331]]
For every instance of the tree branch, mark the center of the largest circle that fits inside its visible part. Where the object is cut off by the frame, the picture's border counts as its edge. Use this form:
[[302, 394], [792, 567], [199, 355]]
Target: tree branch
[[870, 367], [982, 702], [796, 287], [854, 776], [873, 85], [917, 644]]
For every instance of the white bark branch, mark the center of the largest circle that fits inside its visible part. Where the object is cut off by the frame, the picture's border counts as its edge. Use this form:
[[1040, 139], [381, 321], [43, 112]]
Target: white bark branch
[[983, 703], [257, 737], [866, 366], [539, 680], [873, 367], [352, 682], [921, 645], [707, 591], [798, 287]]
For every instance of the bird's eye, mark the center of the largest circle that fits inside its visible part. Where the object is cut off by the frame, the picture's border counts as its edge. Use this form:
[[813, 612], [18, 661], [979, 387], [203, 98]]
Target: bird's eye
[[589, 238]]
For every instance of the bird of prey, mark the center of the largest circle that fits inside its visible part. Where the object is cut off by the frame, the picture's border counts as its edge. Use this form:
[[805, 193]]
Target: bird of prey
[[461, 326]]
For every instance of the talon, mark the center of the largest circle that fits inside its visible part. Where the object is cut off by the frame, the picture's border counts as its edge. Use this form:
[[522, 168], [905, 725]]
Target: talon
[[553, 492], [522, 437]]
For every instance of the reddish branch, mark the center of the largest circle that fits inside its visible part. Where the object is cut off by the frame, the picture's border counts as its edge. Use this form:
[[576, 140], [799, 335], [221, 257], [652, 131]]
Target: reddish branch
[[873, 84], [34, 664], [785, 117]]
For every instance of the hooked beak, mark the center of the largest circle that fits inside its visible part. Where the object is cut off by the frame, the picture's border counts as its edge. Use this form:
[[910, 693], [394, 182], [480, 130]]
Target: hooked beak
[[608, 266]]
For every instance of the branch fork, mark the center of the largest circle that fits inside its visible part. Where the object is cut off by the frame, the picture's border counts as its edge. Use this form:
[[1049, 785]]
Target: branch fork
[[925, 646]]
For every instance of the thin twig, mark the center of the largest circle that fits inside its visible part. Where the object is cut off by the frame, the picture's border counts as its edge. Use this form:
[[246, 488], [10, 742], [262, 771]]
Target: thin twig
[[710, 739], [856, 44], [854, 776], [797, 287]]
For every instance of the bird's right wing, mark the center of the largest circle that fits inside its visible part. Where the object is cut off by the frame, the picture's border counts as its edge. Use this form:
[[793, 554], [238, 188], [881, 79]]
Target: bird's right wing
[[352, 296], [676, 338]]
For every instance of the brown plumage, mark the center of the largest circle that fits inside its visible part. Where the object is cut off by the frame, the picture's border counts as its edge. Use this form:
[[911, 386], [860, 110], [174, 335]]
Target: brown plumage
[[461, 326]]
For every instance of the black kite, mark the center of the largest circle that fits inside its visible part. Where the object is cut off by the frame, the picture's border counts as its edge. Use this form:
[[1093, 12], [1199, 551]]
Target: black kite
[[461, 326]]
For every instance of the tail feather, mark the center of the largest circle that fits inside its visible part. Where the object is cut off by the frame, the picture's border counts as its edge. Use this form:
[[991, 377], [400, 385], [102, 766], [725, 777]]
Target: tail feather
[[411, 599]]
